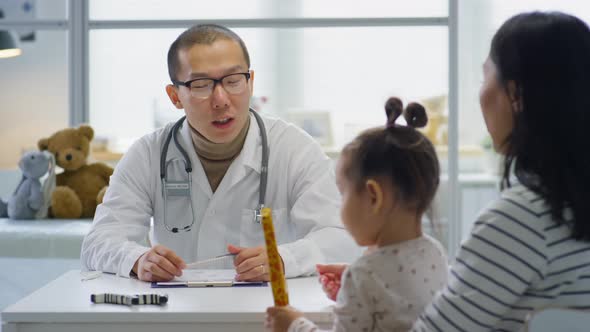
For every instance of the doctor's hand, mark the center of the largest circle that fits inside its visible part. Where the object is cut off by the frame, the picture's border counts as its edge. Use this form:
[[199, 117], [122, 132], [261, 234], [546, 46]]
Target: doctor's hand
[[158, 264], [251, 263]]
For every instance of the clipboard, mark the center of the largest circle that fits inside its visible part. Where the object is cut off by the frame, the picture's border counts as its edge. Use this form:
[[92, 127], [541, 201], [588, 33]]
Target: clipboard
[[211, 283], [207, 278]]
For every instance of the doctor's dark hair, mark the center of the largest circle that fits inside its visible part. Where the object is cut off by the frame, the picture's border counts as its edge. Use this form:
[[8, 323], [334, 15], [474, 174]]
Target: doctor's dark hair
[[398, 152], [201, 34], [546, 56]]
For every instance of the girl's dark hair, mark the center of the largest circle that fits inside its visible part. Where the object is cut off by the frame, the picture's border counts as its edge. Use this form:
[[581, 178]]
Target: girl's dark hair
[[400, 153], [547, 56]]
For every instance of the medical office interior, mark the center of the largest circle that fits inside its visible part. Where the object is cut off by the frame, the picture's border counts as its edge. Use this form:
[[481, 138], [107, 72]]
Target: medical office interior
[[327, 66]]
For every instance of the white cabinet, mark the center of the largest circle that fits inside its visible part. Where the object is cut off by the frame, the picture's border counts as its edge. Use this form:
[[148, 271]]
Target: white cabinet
[[476, 191], [475, 195]]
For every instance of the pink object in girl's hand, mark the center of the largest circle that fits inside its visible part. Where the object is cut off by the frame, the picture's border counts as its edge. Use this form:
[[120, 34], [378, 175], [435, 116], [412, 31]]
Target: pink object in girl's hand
[[330, 280]]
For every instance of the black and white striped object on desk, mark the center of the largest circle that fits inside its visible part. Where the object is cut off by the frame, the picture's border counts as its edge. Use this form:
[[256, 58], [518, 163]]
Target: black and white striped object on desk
[[129, 300], [111, 298], [150, 299]]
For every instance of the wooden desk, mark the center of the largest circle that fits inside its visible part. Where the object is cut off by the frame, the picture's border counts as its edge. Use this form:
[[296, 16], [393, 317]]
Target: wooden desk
[[64, 305]]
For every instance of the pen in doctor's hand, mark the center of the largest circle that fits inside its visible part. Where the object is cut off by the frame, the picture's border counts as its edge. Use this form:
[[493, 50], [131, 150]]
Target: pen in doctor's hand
[[200, 263], [225, 255]]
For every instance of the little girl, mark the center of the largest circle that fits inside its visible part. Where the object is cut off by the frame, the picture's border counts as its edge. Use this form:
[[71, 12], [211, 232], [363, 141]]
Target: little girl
[[387, 178]]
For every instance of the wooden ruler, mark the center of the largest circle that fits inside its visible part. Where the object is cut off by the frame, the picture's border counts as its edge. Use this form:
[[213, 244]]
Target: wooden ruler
[[277, 276]]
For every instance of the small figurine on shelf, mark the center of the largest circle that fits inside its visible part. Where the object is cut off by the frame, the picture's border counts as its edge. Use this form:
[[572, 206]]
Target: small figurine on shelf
[[437, 128], [30, 199]]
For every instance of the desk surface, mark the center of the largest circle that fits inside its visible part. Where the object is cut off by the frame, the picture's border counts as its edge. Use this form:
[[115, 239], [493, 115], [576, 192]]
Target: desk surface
[[66, 300]]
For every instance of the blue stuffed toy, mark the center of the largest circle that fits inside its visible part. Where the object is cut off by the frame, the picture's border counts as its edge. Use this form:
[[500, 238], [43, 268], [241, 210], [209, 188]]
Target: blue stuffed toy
[[28, 199]]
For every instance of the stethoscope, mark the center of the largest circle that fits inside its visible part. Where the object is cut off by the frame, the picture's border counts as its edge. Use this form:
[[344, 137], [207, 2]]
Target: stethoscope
[[184, 188]]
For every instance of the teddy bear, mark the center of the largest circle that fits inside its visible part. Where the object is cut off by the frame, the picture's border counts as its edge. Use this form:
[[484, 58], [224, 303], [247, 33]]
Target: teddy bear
[[81, 186], [27, 200]]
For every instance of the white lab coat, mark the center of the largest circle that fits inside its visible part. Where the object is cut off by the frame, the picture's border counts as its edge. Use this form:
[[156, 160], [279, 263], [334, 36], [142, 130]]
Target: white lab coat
[[301, 192]]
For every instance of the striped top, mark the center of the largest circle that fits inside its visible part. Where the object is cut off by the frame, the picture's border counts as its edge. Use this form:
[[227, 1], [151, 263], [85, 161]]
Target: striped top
[[516, 260]]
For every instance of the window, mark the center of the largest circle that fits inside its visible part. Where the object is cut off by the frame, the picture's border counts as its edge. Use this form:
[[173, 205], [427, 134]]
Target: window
[[302, 52], [256, 9], [326, 62], [349, 80], [33, 86], [478, 21]]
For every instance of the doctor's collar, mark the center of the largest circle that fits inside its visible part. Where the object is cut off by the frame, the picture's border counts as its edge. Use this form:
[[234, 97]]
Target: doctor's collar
[[252, 151], [219, 151]]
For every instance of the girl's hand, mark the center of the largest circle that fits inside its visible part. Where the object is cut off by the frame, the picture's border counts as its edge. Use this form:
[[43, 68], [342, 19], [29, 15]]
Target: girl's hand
[[330, 276], [278, 319], [370, 250]]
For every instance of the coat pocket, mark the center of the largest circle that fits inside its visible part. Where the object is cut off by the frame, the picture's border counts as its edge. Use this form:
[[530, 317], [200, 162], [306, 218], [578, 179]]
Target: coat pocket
[[251, 234]]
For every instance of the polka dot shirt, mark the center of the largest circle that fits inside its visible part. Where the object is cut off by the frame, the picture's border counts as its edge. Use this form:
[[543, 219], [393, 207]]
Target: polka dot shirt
[[388, 288]]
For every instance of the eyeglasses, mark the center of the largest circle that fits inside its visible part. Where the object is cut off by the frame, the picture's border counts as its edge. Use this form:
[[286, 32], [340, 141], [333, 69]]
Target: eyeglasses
[[203, 87]]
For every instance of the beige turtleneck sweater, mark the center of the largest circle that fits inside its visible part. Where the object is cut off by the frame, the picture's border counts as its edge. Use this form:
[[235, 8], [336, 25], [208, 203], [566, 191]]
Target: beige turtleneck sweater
[[216, 157]]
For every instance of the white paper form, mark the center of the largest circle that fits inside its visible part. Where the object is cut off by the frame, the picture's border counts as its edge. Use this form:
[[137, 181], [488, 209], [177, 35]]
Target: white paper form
[[207, 275], [207, 278]]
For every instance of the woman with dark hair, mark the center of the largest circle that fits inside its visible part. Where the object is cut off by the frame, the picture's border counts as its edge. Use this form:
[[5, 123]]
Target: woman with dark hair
[[531, 248]]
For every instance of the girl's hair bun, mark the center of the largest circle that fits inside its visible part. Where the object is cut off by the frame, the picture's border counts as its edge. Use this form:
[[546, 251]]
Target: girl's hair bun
[[393, 108], [415, 115]]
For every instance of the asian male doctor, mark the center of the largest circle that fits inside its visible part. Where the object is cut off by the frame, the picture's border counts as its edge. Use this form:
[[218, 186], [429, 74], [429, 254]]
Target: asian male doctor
[[199, 183]]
